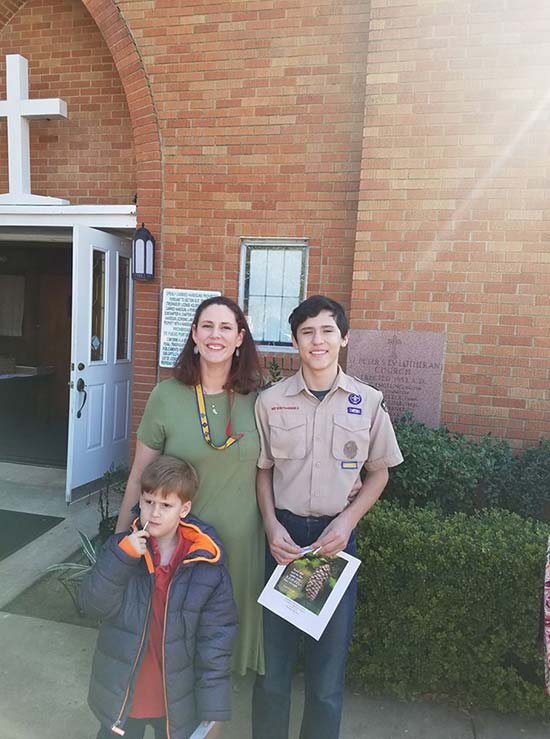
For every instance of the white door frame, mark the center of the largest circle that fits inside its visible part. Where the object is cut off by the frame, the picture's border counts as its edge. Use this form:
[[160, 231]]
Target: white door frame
[[49, 216], [45, 223]]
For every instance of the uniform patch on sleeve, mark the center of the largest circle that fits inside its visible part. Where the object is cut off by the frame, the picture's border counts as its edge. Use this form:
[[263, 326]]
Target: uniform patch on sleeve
[[349, 465]]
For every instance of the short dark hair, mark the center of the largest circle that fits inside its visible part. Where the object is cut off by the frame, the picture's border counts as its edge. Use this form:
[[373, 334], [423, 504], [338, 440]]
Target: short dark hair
[[245, 375], [167, 475], [312, 306]]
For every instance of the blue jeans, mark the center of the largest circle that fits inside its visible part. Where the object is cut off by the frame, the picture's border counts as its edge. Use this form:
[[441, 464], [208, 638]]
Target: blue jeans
[[324, 660]]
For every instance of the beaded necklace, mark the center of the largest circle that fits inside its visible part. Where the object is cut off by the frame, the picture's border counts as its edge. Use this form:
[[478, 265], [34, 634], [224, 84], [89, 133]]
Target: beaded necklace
[[205, 426]]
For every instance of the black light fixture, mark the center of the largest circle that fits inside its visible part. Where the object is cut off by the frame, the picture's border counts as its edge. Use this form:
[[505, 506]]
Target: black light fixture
[[143, 254]]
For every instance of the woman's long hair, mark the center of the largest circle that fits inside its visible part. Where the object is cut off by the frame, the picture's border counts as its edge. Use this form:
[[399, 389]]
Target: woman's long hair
[[245, 374]]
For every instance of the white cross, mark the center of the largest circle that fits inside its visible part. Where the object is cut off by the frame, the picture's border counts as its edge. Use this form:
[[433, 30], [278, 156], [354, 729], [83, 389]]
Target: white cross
[[18, 109]]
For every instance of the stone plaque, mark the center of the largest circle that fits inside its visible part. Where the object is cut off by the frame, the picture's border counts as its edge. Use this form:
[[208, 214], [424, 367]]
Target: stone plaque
[[178, 311], [406, 365]]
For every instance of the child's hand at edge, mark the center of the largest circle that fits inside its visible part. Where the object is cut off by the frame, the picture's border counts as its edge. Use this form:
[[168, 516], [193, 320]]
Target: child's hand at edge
[[138, 541]]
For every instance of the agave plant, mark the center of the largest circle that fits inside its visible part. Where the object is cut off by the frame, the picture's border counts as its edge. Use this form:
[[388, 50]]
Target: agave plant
[[71, 573]]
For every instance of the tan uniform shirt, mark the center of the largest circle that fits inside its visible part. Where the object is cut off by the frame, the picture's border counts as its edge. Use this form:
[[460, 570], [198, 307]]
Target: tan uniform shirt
[[317, 448]]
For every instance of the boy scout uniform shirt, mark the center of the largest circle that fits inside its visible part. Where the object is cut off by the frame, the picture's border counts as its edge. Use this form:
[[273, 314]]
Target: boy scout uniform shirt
[[317, 448]]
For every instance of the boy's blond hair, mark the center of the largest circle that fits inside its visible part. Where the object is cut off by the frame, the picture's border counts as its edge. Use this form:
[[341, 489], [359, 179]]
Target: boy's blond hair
[[170, 475]]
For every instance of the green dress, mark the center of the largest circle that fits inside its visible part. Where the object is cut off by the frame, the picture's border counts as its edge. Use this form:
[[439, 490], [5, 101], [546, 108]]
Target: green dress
[[226, 498]]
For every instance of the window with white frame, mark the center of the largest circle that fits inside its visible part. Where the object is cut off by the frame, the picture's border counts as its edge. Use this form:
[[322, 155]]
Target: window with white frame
[[273, 282]]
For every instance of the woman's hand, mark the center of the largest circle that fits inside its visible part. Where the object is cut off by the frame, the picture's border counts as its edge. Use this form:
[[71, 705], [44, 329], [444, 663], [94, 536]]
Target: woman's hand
[[356, 487], [144, 456]]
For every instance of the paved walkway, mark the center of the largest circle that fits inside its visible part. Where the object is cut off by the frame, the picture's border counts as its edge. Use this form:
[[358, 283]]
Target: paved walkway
[[44, 665], [40, 490], [44, 671]]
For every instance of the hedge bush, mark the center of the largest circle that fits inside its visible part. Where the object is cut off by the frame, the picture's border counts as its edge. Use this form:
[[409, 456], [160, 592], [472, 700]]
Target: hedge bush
[[524, 487], [460, 474], [450, 605]]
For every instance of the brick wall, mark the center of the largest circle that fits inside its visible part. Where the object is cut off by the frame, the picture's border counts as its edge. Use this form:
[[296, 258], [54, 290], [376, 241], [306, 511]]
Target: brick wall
[[454, 213], [260, 107], [148, 177], [424, 151], [8, 8], [87, 157], [80, 51]]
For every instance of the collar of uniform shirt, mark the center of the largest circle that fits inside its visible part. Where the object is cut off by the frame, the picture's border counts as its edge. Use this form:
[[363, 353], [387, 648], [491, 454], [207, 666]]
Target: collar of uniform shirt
[[297, 384]]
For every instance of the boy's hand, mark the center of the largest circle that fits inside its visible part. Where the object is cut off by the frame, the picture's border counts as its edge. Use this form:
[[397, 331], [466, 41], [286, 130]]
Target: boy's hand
[[335, 537], [282, 547], [138, 540]]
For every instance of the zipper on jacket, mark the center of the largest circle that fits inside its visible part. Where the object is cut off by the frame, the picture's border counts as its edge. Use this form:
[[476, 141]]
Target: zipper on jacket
[[164, 655], [116, 726], [181, 565]]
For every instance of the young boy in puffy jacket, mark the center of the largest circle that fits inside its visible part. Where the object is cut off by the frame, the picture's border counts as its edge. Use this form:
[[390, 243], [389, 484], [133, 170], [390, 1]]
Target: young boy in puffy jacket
[[169, 619]]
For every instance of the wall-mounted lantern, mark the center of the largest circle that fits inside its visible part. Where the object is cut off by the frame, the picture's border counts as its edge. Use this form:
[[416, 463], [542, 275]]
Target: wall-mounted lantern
[[143, 254]]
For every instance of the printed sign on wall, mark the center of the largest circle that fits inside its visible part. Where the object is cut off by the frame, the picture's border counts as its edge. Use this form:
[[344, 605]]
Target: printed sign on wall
[[178, 310]]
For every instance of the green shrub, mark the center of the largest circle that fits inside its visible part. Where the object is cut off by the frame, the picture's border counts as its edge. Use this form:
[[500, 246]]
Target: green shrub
[[450, 605], [525, 486], [71, 573], [448, 470]]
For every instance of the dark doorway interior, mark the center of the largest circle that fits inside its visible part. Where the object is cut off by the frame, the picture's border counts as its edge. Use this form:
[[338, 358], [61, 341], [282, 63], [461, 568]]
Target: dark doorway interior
[[35, 352]]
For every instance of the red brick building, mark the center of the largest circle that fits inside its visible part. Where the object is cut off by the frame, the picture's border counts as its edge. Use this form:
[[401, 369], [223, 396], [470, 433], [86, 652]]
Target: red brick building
[[403, 144]]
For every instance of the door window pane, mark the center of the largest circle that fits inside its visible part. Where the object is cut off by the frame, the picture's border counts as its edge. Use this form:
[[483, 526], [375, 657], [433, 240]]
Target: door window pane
[[123, 308], [97, 338]]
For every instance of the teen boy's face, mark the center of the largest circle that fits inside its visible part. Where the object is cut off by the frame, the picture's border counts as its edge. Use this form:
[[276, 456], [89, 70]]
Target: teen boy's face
[[319, 341], [162, 512]]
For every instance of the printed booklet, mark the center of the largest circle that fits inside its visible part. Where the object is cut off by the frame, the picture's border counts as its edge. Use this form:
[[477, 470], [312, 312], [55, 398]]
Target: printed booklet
[[307, 591], [202, 730]]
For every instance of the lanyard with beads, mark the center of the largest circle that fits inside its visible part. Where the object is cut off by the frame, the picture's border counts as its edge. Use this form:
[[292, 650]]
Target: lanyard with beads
[[205, 426]]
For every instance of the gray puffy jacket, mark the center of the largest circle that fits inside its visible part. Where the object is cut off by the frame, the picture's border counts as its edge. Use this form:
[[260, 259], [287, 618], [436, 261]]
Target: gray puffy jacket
[[201, 624]]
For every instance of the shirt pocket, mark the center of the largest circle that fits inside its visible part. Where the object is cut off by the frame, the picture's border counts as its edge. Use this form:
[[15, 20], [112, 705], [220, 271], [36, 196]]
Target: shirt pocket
[[350, 437], [288, 438]]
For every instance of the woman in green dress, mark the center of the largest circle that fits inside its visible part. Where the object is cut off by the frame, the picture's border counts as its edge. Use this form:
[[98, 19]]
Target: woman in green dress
[[205, 415]]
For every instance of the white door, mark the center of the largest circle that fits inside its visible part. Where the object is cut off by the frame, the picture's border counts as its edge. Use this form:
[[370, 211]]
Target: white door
[[99, 405]]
